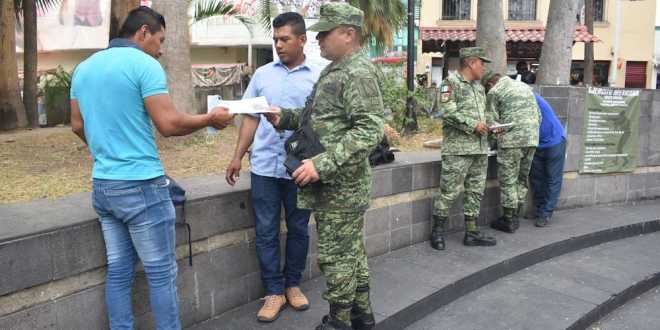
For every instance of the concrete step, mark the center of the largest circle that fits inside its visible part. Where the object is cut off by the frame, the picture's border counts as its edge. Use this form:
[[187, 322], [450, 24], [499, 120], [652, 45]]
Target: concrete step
[[553, 294], [413, 282], [639, 314]]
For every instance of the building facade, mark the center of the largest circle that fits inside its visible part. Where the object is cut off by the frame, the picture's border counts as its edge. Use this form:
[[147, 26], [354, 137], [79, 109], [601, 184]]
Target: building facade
[[624, 37]]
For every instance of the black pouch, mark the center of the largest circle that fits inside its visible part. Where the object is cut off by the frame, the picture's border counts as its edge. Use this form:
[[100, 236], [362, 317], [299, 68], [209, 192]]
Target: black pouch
[[178, 196], [381, 154]]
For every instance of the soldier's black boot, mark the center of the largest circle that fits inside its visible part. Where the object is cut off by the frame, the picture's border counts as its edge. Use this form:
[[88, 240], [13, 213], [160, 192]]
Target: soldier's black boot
[[362, 317], [333, 321], [473, 237], [437, 232], [508, 223]]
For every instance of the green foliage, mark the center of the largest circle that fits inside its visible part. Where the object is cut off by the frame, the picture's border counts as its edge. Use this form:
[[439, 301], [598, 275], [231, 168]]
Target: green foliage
[[53, 84], [395, 94], [205, 9], [381, 19]]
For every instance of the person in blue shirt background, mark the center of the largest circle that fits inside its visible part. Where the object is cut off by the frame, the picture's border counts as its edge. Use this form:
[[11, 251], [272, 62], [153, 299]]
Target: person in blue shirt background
[[548, 165], [285, 83], [117, 96]]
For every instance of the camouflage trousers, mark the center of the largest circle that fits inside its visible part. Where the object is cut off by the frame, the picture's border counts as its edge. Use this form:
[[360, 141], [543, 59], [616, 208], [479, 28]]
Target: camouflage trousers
[[513, 165], [464, 172], [341, 254]]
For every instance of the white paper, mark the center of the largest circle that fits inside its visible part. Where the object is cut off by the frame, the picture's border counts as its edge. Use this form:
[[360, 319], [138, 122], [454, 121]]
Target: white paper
[[212, 101], [254, 105], [496, 126]]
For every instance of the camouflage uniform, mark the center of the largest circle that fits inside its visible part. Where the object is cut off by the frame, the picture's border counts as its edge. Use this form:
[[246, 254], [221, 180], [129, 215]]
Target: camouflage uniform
[[464, 153], [347, 114], [511, 101]]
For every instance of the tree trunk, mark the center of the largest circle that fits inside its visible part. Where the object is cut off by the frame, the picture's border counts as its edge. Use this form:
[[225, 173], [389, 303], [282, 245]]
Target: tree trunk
[[556, 55], [118, 12], [589, 46], [176, 53], [12, 112], [30, 61], [491, 34]]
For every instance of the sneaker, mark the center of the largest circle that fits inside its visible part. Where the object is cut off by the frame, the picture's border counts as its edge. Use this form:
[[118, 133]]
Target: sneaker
[[270, 311], [542, 222], [296, 298]]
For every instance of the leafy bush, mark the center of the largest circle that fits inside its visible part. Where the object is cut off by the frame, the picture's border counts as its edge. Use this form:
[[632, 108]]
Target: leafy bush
[[395, 93]]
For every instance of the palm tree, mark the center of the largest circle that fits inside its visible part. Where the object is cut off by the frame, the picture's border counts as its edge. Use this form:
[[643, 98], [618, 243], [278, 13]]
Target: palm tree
[[23, 12], [381, 17]]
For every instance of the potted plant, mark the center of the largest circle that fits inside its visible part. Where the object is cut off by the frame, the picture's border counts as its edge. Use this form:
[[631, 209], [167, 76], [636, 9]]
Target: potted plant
[[54, 86]]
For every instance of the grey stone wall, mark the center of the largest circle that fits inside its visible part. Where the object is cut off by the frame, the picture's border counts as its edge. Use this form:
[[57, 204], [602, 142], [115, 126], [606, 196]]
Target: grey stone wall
[[589, 189], [52, 254]]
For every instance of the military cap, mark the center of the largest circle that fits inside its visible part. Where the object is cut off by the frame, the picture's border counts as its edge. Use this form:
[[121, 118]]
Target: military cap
[[487, 76], [474, 52], [334, 14]]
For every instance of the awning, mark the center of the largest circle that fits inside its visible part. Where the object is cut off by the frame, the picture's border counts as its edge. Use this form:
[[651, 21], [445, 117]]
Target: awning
[[513, 34]]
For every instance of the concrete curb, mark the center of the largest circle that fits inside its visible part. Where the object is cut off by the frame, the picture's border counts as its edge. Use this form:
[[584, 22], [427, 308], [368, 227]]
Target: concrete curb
[[616, 301], [476, 280]]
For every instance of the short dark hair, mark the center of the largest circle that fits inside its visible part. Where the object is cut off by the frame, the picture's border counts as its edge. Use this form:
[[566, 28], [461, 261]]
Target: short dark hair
[[141, 16], [292, 19], [522, 65]]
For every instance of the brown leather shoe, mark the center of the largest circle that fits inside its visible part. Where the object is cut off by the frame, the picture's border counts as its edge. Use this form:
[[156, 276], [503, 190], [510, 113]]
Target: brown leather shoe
[[273, 304], [296, 298]]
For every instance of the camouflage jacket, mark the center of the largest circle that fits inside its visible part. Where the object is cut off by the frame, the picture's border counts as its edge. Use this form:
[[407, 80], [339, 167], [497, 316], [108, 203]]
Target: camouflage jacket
[[511, 101], [463, 105], [348, 116]]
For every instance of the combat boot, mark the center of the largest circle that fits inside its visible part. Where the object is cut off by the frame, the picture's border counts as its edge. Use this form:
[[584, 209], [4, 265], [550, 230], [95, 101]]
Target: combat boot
[[333, 320], [362, 318], [508, 223], [437, 232], [473, 237]]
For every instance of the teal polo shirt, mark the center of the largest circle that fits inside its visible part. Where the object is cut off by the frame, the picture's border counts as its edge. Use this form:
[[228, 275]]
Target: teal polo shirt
[[110, 87]]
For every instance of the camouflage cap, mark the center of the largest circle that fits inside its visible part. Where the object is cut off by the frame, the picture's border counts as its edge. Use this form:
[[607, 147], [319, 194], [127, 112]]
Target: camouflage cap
[[474, 52], [334, 14]]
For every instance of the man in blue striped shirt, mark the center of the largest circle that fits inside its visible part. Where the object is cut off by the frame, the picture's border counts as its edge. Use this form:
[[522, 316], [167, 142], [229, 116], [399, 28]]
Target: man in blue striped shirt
[[285, 83]]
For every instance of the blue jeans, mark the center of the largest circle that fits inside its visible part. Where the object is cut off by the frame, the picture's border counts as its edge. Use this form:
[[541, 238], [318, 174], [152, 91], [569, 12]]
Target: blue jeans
[[268, 196], [137, 219], [546, 177]]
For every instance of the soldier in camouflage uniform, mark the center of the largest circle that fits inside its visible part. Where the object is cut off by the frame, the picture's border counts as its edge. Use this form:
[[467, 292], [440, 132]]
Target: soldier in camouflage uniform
[[511, 101], [464, 148], [346, 112]]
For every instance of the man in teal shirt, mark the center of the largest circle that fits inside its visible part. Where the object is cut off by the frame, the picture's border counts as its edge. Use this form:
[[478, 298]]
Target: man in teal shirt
[[117, 95]]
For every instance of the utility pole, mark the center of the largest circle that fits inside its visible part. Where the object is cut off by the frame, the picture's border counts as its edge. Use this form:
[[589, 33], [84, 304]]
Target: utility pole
[[410, 119]]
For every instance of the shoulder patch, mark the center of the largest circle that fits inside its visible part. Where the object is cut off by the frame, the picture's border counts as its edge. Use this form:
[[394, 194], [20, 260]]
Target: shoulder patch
[[368, 87], [445, 91]]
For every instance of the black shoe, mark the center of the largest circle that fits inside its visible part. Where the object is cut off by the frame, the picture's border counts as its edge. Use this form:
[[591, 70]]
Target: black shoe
[[329, 323], [475, 238], [542, 221], [361, 320], [437, 233], [507, 225]]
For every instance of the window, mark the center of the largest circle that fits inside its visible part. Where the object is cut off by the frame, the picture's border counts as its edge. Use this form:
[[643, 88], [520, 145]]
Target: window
[[599, 10], [522, 10], [456, 9]]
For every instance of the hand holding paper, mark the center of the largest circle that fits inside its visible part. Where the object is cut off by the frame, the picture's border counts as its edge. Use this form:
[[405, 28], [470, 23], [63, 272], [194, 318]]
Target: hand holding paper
[[254, 105]]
